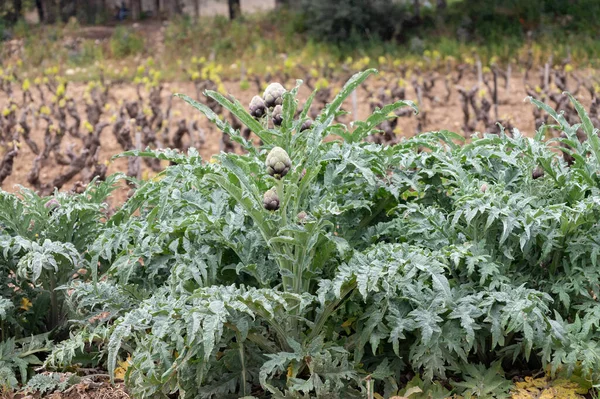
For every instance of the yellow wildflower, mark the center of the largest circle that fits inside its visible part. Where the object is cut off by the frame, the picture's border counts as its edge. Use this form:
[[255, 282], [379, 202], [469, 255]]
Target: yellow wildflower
[[121, 370], [60, 90], [25, 304], [88, 126]]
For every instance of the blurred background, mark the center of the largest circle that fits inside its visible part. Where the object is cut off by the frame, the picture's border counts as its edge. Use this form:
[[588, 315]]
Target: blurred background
[[84, 80]]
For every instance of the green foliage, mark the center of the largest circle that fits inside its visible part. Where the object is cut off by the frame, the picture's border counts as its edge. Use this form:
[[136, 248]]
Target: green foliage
[[5, 305], [493, 19], [125, 42], [339, 21], [21, 28], [89, 53], [483, 382], [50, 382], [17, 357], [43, 244]]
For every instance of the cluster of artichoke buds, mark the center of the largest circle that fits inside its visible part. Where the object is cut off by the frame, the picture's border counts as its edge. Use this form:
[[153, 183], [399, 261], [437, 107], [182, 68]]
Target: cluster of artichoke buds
[[272, 98]]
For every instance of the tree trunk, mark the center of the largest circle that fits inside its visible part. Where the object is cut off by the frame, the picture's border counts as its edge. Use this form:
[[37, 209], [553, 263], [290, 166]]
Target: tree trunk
[[65, 9], [136, 9], [172, 7], [40, 10], [49, 10], [440, 13], [18, 7], [235, 8], [417, 9], [81, 10], [281, 3], [197, 10], [106, 12]]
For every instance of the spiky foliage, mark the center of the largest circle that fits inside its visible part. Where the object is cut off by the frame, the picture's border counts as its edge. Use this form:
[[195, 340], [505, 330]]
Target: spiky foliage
[[44, 241]]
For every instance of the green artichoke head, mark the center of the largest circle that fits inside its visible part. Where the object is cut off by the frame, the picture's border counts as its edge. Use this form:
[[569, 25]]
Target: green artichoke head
[[278, 162]]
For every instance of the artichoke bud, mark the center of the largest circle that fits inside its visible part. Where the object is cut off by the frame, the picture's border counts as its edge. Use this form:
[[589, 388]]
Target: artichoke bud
[[273, 95], [52, 205], [271, 200], [537, 173], [257, 107], [306, 125], [278, 162], [302, 174], [277, 115], [302, 217]]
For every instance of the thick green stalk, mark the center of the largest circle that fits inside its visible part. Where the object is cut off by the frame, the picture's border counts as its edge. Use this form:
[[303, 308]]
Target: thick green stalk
[[274, 324], [329, 310], [556, 260], [243, 363], [300, 259], [558, 255], [282, 202], [53, 301], [288, 281]]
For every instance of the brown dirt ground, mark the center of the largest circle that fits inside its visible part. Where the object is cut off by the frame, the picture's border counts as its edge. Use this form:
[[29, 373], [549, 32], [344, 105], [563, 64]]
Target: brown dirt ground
[[83, 390], [439, 116]]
